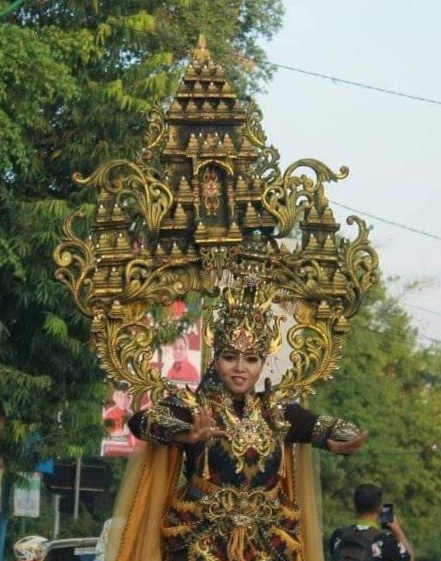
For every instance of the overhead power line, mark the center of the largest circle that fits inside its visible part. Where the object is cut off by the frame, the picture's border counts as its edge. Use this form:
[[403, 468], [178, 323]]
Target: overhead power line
[[337, 80], [391, 222], [334, 79], [433, 339], [433, 312]]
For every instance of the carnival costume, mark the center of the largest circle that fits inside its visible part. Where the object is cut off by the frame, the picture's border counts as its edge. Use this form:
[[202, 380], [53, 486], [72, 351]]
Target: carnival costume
[[234, 506], [235, 499], [200, 212]]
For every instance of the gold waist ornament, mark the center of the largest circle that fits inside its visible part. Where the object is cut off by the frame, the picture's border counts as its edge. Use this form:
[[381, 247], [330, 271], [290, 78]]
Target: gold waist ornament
[[237, 513]]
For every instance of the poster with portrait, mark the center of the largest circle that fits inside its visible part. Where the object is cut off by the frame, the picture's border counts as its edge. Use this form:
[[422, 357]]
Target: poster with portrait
[[116, 413], [180, 361]]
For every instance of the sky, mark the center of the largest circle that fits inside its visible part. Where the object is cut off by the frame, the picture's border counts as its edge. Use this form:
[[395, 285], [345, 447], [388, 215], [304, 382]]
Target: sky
[[391, 143]]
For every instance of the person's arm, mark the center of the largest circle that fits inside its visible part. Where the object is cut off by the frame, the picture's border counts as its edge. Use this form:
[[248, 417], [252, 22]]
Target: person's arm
[[336, 536], [347, 447], [171, 423], [333, 434], [161, 422], [402, 540]]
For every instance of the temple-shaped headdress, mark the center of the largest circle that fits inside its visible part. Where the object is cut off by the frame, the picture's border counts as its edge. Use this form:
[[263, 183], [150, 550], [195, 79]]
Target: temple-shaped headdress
[[243, 320], [208, 220]]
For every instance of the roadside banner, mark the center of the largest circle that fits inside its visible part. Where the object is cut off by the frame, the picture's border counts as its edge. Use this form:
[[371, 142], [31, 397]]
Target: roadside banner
[[26, 497]]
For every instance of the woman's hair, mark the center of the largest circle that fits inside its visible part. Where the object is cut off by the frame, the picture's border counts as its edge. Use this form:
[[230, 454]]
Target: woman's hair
[[210, 380]]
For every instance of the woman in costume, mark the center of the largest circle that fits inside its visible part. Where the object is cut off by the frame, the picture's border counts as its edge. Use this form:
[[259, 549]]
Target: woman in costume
[[234, 500]]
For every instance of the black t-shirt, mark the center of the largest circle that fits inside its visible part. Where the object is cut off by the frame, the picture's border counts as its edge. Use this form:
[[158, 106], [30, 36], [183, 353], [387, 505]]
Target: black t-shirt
[[385, 546]]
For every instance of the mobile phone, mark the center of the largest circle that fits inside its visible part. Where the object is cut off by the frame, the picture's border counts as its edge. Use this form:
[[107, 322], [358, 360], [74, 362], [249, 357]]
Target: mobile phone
[[386, 514]]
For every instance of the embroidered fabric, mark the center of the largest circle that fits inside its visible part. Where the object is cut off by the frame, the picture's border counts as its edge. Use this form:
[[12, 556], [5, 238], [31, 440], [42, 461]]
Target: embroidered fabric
[[336, 429], [239, 500]]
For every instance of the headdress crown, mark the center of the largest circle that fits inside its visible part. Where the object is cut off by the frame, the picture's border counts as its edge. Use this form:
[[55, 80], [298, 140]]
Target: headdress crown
[[243, 320]]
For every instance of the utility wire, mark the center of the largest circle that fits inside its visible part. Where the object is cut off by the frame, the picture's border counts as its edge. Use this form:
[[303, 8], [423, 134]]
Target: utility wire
[[335, 79], [419, 336], [414, 230], [422, 309], [391, 222]]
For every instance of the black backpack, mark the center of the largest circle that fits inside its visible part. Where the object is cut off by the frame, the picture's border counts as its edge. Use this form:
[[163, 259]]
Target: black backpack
[[354, 544]]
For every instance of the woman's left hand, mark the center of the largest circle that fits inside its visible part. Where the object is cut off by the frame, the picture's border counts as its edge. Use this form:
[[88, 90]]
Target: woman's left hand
[[347, 447]]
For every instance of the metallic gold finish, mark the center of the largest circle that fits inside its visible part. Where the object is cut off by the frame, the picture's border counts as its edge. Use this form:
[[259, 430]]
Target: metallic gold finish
[[212, 214], [226, 509], [288, 197], [253, 130], [157, 129], [250, 432]]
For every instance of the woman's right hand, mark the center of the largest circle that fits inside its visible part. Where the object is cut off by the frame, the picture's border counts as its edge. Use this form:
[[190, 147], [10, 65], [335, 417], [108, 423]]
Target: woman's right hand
[[203, 428]]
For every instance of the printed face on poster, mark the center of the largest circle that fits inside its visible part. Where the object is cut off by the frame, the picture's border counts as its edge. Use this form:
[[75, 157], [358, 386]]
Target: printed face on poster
[[180, 361]]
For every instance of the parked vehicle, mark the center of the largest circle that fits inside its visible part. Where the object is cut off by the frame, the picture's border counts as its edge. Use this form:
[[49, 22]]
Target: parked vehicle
[[38, 548], [71, 549]]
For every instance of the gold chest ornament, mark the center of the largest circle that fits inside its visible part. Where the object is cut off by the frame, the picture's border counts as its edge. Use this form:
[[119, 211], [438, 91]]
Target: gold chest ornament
[[250, 431]]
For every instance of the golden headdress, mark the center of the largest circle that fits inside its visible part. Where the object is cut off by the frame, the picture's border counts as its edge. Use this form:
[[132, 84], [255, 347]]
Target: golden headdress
[[205, 222], [188, 226], [243, 319]]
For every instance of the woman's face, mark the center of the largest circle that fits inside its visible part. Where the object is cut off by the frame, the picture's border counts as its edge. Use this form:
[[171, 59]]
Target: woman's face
[[239, 371]]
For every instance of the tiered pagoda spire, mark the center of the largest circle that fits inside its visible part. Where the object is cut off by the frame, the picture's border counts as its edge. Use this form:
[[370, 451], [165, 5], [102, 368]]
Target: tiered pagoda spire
[[211, 210]]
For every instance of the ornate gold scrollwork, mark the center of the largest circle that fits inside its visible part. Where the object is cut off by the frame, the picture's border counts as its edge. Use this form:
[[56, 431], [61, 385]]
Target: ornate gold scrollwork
[[287, 197], [253, 128], [267, 166], [76, 259], [216, 260], [359, 266], [211, 216], [142, 189], [124, 339], [315, 356], [157, 126], [162, 285]]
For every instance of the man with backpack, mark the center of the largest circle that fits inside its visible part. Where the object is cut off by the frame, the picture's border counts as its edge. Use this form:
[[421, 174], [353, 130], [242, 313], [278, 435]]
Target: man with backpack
[[370, 539]]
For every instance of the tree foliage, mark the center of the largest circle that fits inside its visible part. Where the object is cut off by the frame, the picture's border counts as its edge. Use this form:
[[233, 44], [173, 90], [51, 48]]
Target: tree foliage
[[391, 388], [77, 78]]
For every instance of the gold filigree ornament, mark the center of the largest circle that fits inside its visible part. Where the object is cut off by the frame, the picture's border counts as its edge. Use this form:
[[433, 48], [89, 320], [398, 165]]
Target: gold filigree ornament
[[157, 127], [226, 509], [242, 318], [249, 432], [150, 242]]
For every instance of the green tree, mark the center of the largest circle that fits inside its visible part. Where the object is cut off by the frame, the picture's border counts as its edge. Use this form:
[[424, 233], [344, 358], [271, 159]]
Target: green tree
[[114, 59], [77, 78], [390, 387]]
